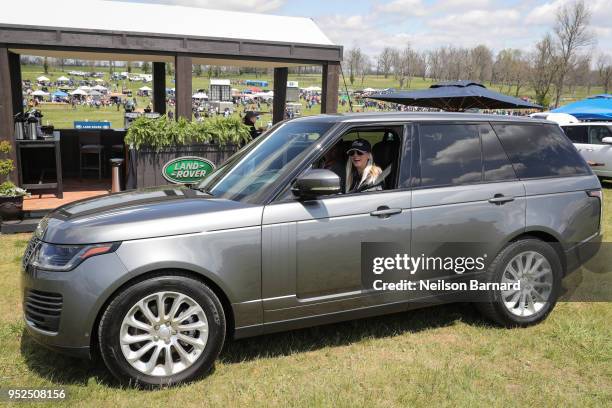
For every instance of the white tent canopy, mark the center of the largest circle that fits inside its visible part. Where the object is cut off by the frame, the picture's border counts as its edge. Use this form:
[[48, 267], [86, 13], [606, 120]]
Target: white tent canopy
[[85, 88], [369, 90], [145, 88], [42, 78], [63, 79], [178, 21], [100, 88], [199, 95], [39, 93], [313, 89], [78, 92]]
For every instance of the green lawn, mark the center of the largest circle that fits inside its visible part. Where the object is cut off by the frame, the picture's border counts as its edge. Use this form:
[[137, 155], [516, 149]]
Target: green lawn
[[442, 356], [62, 116]]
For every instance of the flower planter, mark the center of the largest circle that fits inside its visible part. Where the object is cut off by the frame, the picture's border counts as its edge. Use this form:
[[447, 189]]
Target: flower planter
[[146, 165], [11, 208]]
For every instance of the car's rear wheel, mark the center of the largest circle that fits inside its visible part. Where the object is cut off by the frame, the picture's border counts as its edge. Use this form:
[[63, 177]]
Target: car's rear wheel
[[535, 266], [162, 331]]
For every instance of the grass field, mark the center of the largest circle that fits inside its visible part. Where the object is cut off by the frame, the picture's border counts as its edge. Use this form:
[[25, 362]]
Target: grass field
[[62, 116], [442, 356]]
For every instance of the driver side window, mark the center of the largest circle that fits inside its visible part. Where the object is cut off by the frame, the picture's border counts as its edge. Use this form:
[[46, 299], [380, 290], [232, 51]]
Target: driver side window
[[384, 145]]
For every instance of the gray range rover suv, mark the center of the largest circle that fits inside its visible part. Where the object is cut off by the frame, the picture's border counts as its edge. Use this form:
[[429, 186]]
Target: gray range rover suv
[[156, 280]]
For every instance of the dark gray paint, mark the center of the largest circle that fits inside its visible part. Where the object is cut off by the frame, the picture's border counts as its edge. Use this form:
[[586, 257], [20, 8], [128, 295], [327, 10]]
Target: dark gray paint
[[288, 264]]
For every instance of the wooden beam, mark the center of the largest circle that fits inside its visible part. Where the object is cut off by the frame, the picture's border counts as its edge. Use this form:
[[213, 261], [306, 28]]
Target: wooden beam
[[182, 72], [280, 94], [7, 127], [329, 92], [159, 87], [129, 42]]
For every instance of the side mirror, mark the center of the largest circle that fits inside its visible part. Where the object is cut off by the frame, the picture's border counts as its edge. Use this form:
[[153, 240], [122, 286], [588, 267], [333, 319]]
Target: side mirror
[[607, 140], [316, 183]]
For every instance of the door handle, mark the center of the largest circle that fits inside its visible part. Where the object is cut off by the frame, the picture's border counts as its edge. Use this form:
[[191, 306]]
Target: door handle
[[500, 199], [590, 150], [385, 212]]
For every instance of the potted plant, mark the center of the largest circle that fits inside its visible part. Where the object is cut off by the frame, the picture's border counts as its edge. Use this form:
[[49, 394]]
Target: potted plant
[[154, 142], [11, 196]]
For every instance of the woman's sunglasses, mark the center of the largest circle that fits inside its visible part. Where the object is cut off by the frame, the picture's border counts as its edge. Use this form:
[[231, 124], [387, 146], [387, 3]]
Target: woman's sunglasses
[[355, 152]]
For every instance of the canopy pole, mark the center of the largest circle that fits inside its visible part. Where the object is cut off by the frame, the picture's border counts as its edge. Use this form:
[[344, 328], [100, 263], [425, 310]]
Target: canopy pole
[[329, 89], [159, 87], [280, 94], [183, 82], [8, 76]]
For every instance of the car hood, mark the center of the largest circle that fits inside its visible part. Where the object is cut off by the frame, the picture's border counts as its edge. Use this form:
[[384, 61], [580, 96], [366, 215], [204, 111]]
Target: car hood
[[147, 213]]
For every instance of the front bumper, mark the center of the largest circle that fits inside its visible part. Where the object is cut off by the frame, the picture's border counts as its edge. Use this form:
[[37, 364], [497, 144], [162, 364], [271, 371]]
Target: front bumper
[[83, 291]]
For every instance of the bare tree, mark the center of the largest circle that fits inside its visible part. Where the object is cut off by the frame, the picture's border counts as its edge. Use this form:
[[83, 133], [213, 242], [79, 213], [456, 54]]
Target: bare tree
[[355, 62], [543, 69], [364, 67], [572, 34], [403, 65], [604, 72], [481, 63], [385, 61]]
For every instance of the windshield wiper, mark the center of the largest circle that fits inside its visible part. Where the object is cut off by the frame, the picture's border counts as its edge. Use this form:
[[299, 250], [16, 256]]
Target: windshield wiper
[[201, 190]]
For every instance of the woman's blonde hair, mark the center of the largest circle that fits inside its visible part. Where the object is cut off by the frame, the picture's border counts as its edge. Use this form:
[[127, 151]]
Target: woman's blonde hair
[[369, 176]]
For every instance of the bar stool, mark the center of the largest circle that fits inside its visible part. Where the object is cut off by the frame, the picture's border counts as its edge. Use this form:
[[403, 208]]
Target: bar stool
[[90, 144]]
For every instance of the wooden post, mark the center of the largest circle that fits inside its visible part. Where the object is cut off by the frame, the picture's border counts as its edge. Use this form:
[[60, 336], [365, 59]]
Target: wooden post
[[159, 87], [7, 127], [16, 89], [329, 93], [182, 72], [280, 94]]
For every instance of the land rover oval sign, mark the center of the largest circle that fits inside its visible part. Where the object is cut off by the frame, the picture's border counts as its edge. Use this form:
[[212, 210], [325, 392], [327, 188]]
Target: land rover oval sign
[[187, 170]]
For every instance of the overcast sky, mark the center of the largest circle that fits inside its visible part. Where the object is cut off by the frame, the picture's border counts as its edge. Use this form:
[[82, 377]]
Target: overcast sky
[[425, 24]]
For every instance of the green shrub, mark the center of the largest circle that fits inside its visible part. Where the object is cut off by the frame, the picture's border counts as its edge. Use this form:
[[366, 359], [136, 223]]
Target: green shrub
[[163, 133], [7, 188]]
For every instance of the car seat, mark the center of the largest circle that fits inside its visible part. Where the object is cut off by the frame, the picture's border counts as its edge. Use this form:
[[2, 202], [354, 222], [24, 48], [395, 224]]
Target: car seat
[[385, 155]]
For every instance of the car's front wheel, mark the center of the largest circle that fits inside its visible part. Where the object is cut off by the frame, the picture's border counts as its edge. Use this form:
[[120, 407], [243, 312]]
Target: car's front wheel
[[162, 331], [535, 267]]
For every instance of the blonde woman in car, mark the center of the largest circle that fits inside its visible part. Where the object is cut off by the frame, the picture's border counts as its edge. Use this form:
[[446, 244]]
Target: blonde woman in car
[[361, 172]]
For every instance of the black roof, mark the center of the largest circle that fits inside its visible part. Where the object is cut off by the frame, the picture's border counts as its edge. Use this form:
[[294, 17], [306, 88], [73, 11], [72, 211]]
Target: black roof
[[419, 116]]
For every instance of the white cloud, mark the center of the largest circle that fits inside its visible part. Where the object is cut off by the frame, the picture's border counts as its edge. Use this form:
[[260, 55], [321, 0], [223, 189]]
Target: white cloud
[[402, 7], [477, 18]]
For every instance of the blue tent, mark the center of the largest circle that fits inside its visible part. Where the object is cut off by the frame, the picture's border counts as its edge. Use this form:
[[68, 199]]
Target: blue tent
[[598, 107], [456, 96], [259, 83], [59, 94]]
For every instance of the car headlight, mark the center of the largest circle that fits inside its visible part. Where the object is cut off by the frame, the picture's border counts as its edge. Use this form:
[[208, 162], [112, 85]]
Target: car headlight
[[66, 257]]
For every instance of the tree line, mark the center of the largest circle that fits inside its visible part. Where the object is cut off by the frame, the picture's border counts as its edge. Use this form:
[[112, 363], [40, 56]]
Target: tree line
[[560, 61]]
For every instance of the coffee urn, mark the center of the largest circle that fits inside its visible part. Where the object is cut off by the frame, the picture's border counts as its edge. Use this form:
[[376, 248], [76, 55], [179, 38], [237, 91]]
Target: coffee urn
[[20, 131]]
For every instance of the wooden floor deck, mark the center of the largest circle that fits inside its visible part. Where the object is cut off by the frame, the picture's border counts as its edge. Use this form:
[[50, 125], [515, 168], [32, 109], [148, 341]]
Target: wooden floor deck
[[74, 190]]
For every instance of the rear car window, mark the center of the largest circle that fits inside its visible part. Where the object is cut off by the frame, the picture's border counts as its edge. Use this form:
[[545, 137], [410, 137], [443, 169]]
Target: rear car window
[[450, 154], [597, 133], [577, 134], [540, 150], [496, 166]]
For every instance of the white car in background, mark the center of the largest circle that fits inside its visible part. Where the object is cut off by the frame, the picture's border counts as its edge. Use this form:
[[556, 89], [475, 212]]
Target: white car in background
[[594, 142]]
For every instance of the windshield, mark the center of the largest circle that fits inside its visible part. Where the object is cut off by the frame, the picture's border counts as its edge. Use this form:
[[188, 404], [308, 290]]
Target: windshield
[[250, 171]]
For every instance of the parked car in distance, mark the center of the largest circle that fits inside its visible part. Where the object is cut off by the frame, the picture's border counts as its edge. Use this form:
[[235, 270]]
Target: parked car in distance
[[594, 142], [157, 280]]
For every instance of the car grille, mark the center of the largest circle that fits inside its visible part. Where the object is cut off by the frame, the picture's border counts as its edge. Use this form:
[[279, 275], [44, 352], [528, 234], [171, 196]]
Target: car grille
[[30, 251], [43, 309]]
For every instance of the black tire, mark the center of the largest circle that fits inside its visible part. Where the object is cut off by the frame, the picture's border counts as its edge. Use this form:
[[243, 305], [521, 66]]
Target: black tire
[[110, 325], [492, 307]]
